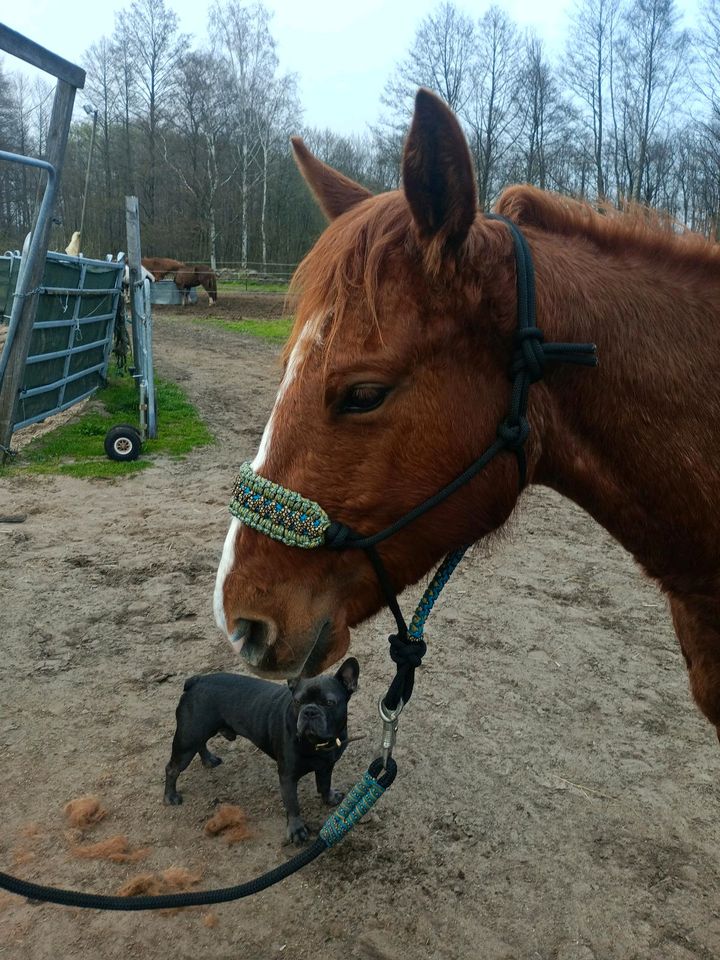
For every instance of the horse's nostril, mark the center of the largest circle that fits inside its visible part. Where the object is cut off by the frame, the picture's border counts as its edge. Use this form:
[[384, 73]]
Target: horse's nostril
[[241, 631], [252, 639]]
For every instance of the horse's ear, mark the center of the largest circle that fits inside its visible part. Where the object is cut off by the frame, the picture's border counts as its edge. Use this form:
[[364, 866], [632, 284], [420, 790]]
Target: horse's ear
[[438, 176], [334, 192]]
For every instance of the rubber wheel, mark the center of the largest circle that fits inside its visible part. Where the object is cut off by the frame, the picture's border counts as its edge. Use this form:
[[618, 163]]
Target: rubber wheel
[[123, 442]]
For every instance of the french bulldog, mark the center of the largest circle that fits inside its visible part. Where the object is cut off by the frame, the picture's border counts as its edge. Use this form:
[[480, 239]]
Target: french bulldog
[[301, 725]]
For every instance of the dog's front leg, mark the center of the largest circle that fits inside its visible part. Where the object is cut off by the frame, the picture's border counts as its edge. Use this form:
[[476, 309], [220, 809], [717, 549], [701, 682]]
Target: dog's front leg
[[323, 779], [296, 830]]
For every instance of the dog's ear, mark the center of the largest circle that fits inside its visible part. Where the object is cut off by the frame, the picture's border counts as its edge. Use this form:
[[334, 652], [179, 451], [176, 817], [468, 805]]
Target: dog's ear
[[348, 675]]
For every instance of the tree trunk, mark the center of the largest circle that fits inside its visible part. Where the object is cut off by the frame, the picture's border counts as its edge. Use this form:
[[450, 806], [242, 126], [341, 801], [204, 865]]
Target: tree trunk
[[244, 205], [264, 207]]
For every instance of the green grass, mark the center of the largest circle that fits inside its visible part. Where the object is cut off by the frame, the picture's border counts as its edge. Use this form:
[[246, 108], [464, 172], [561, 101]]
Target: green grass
[[76, 448], [276, 331], [256, 286]]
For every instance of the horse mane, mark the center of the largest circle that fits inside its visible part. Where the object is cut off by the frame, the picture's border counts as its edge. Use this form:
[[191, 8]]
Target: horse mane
[[633, 228], [357, 249]]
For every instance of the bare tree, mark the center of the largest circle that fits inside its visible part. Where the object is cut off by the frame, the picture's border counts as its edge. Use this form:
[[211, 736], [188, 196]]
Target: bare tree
[[440, 59], [242, 34], [276, 118], [492, 108], [156, 47], [127, 102], [539, 96], [653, 54], [206, 123], [103, 93], [586, 72]]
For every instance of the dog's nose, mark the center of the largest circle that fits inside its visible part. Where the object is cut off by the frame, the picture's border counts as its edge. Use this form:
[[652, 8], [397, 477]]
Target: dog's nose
[[253, 639]]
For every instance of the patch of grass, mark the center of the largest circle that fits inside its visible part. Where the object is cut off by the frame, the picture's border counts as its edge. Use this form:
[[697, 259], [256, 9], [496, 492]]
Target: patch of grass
[[277, 330], [256, 286], [76, 448]]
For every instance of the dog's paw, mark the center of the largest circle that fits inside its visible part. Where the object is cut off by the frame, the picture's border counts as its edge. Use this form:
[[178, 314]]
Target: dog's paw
[[173, 799], [297, 832], [333, 797]]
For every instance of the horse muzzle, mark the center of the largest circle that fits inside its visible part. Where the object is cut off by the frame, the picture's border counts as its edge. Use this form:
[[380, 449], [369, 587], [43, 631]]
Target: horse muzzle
[[267, 653]]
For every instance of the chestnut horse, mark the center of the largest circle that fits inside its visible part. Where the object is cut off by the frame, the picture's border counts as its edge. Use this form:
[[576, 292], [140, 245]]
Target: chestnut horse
[[161, 267], [185, 275], [196, 275], [396, 378]]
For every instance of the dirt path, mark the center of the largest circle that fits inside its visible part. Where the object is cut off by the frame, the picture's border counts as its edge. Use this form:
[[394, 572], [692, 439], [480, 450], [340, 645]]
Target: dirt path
[[557, 795]]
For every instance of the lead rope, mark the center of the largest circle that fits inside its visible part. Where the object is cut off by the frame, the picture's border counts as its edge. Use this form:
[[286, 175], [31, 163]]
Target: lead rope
[[407, 650], [292, 519], [361, 798]]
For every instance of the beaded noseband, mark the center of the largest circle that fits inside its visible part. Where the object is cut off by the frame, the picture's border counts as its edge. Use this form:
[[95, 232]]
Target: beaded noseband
[[292, 519]]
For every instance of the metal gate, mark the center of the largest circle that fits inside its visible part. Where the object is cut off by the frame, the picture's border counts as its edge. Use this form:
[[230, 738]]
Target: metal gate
[[72, 333]]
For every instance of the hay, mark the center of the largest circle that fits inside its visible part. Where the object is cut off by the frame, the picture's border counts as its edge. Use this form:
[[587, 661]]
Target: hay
[[84, 812], [8, 900], [172, 880], [236, 834], [24, 852], [230, 821], [31, 830], [116, 849], [23, 855]]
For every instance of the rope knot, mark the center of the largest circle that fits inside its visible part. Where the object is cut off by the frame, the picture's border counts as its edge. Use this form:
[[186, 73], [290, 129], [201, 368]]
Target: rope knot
[[529, 354], [406, 652], [337, 535], [514, 433]]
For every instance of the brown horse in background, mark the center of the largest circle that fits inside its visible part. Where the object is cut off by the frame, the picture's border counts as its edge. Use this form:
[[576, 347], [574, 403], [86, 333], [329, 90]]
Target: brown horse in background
[[185, 275], [196, 275], [396, 378], [161, 267]]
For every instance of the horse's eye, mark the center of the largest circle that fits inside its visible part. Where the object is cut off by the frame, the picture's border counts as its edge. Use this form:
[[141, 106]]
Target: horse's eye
[[363, 397]]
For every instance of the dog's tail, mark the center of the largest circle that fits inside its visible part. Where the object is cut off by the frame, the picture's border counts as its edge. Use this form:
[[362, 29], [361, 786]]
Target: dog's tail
[[190, 683]]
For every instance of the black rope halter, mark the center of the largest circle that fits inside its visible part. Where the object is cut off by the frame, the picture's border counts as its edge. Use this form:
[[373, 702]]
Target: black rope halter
[[286, 516]]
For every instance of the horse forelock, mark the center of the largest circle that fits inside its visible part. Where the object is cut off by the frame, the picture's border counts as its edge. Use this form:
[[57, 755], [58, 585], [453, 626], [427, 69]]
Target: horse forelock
[[374, 244], [347, 265]]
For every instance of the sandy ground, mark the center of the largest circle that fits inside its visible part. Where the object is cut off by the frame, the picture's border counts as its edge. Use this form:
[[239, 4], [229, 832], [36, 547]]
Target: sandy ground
[[557, 795]]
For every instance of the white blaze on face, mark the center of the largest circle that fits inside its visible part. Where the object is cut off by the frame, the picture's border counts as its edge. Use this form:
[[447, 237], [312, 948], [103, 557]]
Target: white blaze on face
[[296, 357], [228, 555]]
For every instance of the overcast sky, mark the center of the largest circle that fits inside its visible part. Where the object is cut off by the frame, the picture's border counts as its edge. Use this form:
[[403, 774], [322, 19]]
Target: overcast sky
[[342, 52]]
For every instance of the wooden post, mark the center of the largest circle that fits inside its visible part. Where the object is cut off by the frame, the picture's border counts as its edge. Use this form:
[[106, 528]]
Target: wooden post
[[19, 46], [12, 380], [134, 255]]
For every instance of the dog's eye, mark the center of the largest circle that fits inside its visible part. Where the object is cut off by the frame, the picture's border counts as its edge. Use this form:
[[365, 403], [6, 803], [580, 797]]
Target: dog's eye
[[363, 397]]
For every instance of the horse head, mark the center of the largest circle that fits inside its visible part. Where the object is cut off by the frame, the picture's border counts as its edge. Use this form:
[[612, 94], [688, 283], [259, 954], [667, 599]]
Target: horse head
[[395, 378]]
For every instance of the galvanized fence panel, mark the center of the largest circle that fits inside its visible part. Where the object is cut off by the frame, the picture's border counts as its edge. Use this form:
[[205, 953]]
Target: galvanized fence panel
[[72, 334]]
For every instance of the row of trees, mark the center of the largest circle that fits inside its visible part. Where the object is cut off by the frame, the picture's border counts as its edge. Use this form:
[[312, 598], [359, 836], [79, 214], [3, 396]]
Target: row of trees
[[631, 111]]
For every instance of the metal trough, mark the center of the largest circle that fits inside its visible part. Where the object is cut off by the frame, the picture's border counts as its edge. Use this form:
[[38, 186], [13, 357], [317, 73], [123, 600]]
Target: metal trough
[[165, 292]]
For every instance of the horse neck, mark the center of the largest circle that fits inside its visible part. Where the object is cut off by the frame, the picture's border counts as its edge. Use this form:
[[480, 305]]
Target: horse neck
[[634, 442]]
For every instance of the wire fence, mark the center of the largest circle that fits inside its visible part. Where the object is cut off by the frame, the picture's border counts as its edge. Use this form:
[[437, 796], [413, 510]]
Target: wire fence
[[254, 275]]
